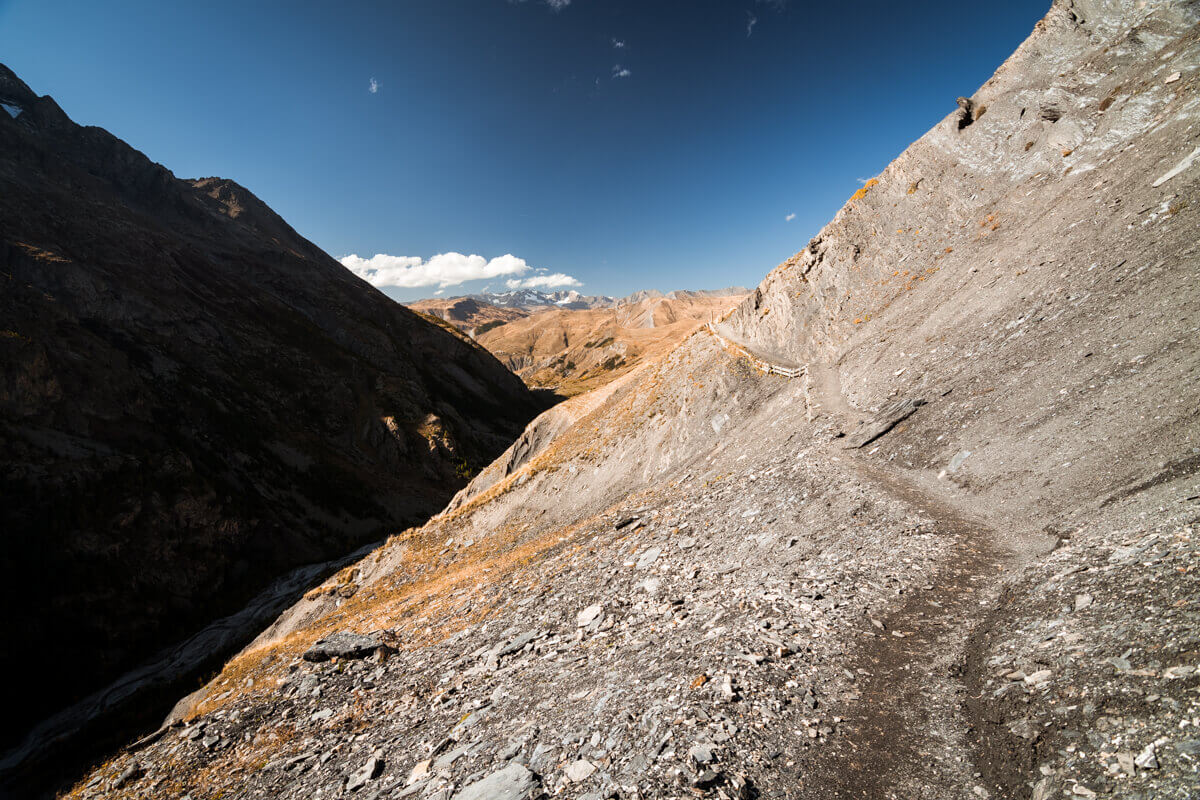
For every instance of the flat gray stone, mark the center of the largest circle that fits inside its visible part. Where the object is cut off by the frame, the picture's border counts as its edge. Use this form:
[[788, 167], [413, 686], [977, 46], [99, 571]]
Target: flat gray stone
[[342, 644], [580, 770], [648, 557], [589, 615], [514, 782], [887, 418]]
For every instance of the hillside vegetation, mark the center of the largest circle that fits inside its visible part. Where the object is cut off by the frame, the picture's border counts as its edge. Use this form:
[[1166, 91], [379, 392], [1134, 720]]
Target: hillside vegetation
[[575, 350]]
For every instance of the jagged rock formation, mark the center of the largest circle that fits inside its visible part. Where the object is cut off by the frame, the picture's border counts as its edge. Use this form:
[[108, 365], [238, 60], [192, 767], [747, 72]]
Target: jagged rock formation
[[193, 400], [690, 587]]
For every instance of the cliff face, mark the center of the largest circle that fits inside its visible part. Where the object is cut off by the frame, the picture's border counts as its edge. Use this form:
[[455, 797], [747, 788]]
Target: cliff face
[[1012, 256], [953, 558], [193, 400]]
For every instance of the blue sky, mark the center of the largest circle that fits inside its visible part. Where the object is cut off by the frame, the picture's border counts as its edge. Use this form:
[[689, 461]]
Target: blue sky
[[617, 144]]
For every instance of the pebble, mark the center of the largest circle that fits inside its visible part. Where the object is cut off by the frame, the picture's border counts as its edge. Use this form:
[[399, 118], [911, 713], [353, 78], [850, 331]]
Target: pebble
[[1041, 676]]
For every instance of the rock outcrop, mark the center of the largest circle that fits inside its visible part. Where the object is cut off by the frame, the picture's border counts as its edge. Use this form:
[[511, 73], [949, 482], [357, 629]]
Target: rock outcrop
[[194, 400]]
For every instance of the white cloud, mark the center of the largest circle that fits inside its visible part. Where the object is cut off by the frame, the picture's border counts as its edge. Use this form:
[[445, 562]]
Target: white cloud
[[617, 43], [373, 87], [554, 280], [558, 5], [789, 217], [750, 23], [444, 269], [621, 72]]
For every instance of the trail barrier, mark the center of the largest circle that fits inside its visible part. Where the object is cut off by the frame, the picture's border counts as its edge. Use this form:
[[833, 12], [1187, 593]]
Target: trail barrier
[[760, 363]]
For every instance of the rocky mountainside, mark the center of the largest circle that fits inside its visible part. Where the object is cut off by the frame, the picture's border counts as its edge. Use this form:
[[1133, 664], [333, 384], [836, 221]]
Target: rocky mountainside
[[573, 351], [194, 400], [955, 557]]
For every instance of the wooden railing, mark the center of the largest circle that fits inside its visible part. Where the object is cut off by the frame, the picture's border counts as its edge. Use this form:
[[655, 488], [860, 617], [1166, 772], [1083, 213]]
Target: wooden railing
[[759, 363]]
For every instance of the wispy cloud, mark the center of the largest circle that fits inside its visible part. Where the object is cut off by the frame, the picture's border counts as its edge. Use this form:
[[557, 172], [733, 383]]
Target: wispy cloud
[[621, 72], [789, 217], [444, 269], [751, 21], [553, 5], [555, 280], [617, 43], [373, 86]]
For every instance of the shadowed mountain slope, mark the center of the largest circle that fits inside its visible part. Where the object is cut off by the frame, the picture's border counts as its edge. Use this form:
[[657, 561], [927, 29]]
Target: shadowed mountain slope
[[193, 400]]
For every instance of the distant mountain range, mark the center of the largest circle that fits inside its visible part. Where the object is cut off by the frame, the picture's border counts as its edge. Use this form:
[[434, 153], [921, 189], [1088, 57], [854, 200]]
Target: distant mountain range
[[531, 299], [475, 314]]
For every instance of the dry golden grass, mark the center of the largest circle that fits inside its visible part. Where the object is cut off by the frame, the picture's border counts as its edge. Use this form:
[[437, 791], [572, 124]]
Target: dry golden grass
[[421, 603]]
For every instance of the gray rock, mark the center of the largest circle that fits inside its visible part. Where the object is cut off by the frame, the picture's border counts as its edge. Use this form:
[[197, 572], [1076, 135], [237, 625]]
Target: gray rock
[[648, 557], [1024, 728], [369, 772], [513, 782], [887, 418], [132, 772], [1147, 759], [580, 770], [1045, 789], [518, 643], [700, 753], [1041, 676], [447, 759], [342, 644], [588, 615], [542, 756]]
